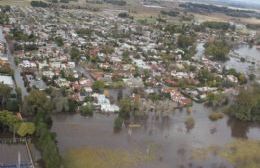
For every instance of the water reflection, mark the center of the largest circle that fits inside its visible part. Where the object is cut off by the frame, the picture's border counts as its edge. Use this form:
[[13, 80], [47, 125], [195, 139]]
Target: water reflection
[[238, 129], [250, 53], [173, 143]]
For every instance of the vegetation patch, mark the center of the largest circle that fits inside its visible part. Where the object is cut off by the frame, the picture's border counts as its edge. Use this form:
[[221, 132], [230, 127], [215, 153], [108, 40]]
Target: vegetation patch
[[104, 158], [41, 4], [216, 116], [247, 104], [190, 122], [240, 153], [217, 50]]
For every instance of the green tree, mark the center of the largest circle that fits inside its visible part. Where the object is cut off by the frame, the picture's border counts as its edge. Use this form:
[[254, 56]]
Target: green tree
[[204, 76], [185, 41], [59, 41], [37, 102], [26, 128], [217, 50], [75, 54], [125, 108], [7, 118], [98, 86], [38, 105], [5, 93], [118, 122], [247, 104], [87, 110], [73, 105]]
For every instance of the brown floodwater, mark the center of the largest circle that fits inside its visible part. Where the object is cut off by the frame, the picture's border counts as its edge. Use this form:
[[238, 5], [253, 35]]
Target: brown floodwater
[[172, 141]]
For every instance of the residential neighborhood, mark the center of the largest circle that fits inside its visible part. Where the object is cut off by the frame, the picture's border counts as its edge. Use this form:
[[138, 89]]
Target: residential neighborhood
[[106, 79]]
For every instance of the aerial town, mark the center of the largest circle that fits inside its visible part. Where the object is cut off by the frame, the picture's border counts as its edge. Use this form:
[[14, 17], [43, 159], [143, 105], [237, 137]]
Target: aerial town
[[149, 90]]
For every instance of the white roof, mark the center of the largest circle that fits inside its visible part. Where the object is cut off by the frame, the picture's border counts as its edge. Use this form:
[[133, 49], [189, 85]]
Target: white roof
[[7, 80]]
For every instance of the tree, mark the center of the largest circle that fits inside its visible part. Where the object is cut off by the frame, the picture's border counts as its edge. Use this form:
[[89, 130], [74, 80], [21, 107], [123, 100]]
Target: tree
[[128, 108], [12, 105], [26, 128], [87, 110], [123, 15], [218, 50], [247, 105], [73, 105], [37, 102], [189, 122], [252, 77], [126, 57], [39, 4], [84, 32], [64, 1], [205, 76], [216, 25], [38, 105], [98, 86], [7, 118], [75, 54], [5, 93], [118, 122], [125, 109], [185, 41], [170, 13], [59, 41], [4, 18]]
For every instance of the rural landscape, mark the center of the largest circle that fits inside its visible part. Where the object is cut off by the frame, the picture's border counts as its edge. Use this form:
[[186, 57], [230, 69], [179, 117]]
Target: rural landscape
[[129, 84]]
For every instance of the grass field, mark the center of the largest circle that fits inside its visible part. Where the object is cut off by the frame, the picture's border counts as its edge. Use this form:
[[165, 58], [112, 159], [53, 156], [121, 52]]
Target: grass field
[[15, 2], [105, 158], [222, 17], [241, 153]]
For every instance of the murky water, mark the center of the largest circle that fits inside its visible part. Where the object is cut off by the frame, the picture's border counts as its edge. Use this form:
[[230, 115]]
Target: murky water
[[251, 54], [173, 141]]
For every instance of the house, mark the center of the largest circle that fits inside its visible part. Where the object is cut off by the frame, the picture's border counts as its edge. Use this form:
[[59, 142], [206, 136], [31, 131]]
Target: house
[[7, 80], [177, 97], [134, 82], [105, 105], [232, 79]]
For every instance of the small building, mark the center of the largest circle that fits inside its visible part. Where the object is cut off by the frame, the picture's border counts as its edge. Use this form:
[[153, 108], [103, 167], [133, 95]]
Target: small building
[[7, 80]]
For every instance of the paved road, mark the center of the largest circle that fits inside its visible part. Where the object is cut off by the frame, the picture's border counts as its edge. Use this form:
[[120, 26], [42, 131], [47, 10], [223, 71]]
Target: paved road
[[17, 72], [85, 72]]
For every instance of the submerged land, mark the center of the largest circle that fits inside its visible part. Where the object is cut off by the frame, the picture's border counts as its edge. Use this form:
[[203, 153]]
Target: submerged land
[[120, 84]]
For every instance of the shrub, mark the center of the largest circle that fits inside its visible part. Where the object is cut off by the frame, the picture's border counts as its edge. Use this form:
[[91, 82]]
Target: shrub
[[118, 122], [216, 116], [190, 122], [86, 110]]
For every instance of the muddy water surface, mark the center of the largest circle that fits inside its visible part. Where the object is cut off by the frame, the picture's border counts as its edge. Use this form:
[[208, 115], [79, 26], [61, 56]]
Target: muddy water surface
[[169, 137]]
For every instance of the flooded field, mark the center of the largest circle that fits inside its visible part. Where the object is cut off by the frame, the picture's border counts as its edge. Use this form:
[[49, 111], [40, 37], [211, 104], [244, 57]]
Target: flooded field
[[251, 55], [173, 142]]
